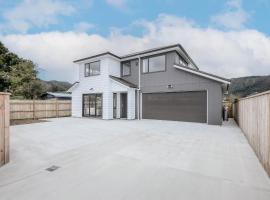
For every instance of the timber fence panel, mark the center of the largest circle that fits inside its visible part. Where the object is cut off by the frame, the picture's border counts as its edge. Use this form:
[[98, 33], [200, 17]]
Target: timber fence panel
[[253, 116], [37, 109]]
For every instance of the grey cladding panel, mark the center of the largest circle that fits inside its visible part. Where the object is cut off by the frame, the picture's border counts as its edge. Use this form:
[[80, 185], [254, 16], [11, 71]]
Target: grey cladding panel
[[177, 106], [134, 77], [180, 81]]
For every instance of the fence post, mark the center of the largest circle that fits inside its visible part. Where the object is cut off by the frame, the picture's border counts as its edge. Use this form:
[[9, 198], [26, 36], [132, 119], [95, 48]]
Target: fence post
[[34, 112], [57, 108], [4, 128]]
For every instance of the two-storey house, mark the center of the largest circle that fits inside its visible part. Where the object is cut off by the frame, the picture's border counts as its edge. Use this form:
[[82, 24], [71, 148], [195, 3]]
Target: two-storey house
[[162, 83]]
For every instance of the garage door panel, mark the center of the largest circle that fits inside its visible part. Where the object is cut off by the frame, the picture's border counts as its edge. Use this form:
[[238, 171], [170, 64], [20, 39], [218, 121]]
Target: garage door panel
[[180, 106]]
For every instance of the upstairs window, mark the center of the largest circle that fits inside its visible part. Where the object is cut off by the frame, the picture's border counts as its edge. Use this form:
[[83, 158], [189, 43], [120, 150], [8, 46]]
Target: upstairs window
[[145, 65], [179, 60], [154, 64], [126, 69], [92, 69]]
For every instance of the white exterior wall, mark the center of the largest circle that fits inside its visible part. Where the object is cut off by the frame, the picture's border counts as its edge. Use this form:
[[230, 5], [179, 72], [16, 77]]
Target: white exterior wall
[[102, 84], [114, 67], [118, 88], [131, 103], [91, 84]]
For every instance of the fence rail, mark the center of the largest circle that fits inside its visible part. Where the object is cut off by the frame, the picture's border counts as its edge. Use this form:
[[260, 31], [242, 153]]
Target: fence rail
[[4, 128], [37, 109], [253, 116]]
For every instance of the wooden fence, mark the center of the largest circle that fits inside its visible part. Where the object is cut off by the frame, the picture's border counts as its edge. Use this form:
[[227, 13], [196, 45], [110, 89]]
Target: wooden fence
[[4, 128], [253, 116], [37, 109]]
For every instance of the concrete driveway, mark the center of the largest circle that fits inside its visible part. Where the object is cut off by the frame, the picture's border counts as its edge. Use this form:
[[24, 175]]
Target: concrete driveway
[[132, 160]]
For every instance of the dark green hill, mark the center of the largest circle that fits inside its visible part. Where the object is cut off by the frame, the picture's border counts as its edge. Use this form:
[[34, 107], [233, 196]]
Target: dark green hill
[[55, 86], [244, 86]]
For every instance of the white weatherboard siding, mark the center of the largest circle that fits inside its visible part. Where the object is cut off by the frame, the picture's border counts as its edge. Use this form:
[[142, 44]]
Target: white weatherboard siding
[[131, 103], [106, 86], [114, 67], [88, 85], [118, 88], [76, 105], [107, 105]]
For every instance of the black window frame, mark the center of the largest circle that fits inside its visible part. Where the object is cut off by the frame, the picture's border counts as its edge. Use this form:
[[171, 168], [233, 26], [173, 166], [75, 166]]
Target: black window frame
[[86, 65], [89, 67], [83, 105], [148, 58], [122, 67]]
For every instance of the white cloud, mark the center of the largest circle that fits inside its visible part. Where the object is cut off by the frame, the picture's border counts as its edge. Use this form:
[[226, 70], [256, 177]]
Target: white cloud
[[117, 3], [234, 17], [35, 13], [225, 53], [83, 27]]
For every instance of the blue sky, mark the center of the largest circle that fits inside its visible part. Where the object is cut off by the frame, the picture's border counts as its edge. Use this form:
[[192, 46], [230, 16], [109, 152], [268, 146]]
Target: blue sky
[[104, 15], [90, 26]]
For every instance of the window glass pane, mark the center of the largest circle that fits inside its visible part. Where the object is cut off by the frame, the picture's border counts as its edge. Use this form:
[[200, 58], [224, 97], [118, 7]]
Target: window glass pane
[[95, 68], [145, 65], [99, 105], [180, 61], [157, 63], [86, 70], [183, 62], [126, 68]]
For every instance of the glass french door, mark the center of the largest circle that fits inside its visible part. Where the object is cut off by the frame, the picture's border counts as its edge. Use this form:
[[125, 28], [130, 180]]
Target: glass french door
[[92, 105]]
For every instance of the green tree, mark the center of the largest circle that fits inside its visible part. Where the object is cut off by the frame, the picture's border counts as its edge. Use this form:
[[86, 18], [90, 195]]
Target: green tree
[[33, 89], [18, 76]]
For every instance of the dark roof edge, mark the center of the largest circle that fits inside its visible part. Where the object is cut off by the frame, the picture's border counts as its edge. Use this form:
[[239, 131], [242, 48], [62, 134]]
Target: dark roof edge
[[182, 48], [74, 83], [150, 51], [205, 73], [141, 52], [97, 55], [124, 82]]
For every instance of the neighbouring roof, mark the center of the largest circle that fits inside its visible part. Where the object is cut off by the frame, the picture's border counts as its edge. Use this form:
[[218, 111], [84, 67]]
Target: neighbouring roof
[[204, 74], [177, 46], [124, 82], [59, 94]]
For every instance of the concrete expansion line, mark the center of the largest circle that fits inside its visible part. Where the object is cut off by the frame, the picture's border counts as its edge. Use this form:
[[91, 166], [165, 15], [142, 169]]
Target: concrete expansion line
[[20, 179]]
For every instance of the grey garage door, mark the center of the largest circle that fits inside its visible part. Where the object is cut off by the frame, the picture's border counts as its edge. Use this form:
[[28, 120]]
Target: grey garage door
[[177, 106]]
